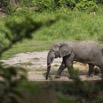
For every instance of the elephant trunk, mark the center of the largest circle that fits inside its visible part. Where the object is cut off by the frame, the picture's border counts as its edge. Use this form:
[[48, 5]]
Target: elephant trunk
[[50, 58], [48, 70]]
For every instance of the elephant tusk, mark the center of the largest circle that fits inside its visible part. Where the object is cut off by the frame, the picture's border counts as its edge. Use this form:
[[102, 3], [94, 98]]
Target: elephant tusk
[[49, 65]]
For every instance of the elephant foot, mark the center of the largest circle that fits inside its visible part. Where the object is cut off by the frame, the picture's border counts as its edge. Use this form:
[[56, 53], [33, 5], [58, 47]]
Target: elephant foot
[[71, 77], [57, 76], [74, 77], [89, 75], [97, 71], [101, 76]]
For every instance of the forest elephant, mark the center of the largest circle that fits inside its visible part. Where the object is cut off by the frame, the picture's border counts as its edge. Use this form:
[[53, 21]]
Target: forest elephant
[[81, 51]]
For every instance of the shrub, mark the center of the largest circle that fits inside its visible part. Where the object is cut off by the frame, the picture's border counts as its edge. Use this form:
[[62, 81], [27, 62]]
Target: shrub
[[87, 5], [54, 4], [46, 4], [90, 5], [100, 2], [7, 6]]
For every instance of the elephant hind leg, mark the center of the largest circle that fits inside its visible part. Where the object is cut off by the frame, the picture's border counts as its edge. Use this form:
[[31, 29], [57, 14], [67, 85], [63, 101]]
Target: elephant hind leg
[[101, 69], [91, 70]]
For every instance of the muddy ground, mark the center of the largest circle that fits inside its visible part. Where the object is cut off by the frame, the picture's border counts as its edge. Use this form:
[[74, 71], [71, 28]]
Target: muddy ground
[[35, 64]]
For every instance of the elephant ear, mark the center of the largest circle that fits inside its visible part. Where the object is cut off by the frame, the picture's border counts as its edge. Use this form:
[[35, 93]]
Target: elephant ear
[[65, 50]]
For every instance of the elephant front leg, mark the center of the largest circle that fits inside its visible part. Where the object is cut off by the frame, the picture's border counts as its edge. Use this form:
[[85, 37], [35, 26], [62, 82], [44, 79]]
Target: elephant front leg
[[61, 68]]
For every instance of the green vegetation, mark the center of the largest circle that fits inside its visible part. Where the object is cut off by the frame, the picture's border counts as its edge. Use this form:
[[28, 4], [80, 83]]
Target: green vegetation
[[69, 25], [75, 20], [49, 21]]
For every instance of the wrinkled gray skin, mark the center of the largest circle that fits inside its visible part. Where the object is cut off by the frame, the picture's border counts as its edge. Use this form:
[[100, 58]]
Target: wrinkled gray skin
[[83, 51]]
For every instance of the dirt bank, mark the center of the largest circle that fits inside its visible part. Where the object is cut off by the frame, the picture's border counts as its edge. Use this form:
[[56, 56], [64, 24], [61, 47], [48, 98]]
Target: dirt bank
[[35, 64]]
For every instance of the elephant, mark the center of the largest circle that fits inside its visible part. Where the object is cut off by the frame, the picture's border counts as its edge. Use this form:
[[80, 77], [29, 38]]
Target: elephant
[[81, 51]]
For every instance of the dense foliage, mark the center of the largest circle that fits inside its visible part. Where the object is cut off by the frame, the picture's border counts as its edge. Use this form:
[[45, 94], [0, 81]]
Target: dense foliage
[[71, 4], [48, 21], [11, 77], [12, 5]]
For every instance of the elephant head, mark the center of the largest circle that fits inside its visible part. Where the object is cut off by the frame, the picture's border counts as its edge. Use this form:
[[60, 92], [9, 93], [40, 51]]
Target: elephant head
[[58, 50]]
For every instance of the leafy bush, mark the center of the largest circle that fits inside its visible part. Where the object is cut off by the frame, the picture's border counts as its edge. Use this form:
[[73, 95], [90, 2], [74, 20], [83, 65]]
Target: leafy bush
[[10, 6], [45, 4], [87, 5], [90, 5], [12, 76], [7, 6], [4, 3], [100, 2], [53, 4], [26, 3]]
